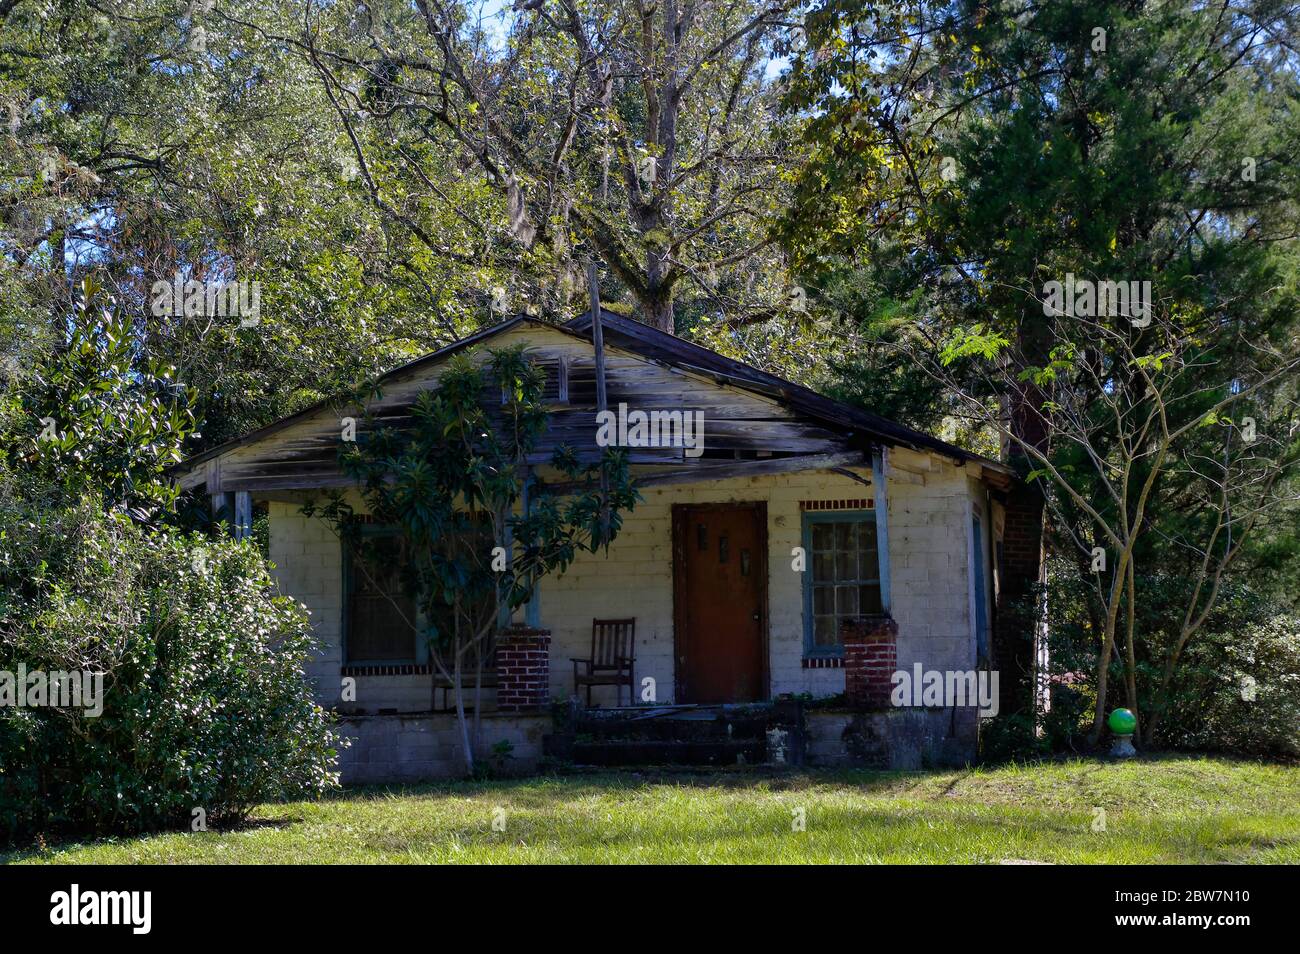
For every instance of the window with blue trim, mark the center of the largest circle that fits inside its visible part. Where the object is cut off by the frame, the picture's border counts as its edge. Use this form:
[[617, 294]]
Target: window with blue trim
[[842, 580]]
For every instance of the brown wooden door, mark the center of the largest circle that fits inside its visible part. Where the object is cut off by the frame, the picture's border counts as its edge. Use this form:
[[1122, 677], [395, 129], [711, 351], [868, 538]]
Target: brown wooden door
[[720, 602]]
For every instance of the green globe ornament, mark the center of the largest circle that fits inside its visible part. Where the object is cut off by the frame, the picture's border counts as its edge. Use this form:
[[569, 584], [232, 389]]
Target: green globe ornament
[[1122, 722]]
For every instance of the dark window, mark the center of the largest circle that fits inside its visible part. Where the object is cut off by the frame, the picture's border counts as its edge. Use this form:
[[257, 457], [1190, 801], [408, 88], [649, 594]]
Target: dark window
[[384, 623], [842, 579], [381, 616]]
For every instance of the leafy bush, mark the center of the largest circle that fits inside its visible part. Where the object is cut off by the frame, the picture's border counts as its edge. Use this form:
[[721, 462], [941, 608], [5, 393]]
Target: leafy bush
[[204, 700], [1011, 737], [1244, 639], [100, 417], [1239, 692]]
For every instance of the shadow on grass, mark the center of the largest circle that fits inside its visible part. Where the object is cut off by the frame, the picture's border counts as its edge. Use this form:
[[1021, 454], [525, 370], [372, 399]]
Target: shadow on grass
[[583, 784], [529, 790], [14, 855]]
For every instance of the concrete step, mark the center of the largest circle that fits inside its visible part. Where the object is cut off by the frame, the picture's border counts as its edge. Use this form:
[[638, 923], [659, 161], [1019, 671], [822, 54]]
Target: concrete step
[[718, 752], [667, 729], [672, 723]]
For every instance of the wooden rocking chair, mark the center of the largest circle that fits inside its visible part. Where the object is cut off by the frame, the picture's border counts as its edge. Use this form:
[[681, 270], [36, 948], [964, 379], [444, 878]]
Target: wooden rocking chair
[[613, 654]]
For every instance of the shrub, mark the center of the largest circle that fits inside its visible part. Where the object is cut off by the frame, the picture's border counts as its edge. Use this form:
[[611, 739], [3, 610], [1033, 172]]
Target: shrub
[[1239, 692], [1244, 639], [1011, 737], [204, 700]]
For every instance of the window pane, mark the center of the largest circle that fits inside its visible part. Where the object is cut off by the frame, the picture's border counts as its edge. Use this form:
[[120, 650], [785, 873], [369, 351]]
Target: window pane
[[843, 536], [867, 535], [823, 536], [381, 616], [846, 564], [844, 560], [869, 565], [825, 631]]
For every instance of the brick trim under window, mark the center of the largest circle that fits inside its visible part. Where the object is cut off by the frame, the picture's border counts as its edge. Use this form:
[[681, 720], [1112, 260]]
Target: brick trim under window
[[860, 503], [823, 662], [388, 669]]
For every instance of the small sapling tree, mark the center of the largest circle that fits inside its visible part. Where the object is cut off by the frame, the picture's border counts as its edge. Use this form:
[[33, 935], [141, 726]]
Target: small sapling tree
[[477, 527]]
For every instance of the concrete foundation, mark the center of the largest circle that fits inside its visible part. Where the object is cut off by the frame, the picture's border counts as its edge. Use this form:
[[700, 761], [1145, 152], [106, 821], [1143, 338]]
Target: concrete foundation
[[427, 746]]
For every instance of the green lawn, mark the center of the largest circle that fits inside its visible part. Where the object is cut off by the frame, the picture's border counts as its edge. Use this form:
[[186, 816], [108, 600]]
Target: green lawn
[[1175, 809]]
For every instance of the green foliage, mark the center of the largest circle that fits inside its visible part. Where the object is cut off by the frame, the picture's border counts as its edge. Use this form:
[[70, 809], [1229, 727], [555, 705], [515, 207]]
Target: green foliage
[[1247, 644], [149, 138], [1239, 691], [1011, 737], [454, 480], [205, 704], [98, 417], [972, 342], [499, 759], [961, 156]]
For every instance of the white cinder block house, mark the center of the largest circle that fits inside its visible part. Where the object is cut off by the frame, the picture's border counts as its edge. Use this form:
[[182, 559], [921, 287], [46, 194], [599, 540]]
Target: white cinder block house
[[739, 569]]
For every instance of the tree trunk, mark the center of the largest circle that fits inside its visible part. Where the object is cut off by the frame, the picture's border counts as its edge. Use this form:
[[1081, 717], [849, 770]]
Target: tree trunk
[[1108, 643], [1016, 650], [657, 301], [1130, 663], [660, 315], [478, 691], [1103, 686], [460, 717]]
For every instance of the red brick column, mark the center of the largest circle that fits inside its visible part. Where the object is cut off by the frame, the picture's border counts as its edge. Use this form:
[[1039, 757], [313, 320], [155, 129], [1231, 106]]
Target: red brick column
[[870, 658], [523, 668]]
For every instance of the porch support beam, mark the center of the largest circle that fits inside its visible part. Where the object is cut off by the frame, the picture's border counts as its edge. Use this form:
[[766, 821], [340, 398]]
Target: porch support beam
[[533, 608], [243, 515], [879, 477]]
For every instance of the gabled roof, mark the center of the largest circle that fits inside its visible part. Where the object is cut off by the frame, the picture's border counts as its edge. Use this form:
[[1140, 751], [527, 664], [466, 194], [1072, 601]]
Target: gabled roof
[[433, 357], [650, 343], [637, 336]]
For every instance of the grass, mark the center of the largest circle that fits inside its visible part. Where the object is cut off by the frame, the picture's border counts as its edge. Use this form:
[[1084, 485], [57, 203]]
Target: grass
[[1165, 810]]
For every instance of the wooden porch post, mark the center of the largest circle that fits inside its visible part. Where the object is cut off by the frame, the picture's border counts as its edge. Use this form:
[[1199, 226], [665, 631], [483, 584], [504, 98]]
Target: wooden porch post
[[879, 473], [238, 506], [598, 343], [533, 608], [243, 515]]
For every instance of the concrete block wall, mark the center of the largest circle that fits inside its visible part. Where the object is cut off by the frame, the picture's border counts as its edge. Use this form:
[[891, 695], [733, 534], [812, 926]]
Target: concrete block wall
[[412, 748], [929, 555], [929, 560], [309, 567], [906, 739]]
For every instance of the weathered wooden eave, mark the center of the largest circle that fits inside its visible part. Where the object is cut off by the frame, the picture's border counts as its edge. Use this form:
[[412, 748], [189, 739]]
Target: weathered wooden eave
[[689, 356], [187, 467], [806, 430]]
